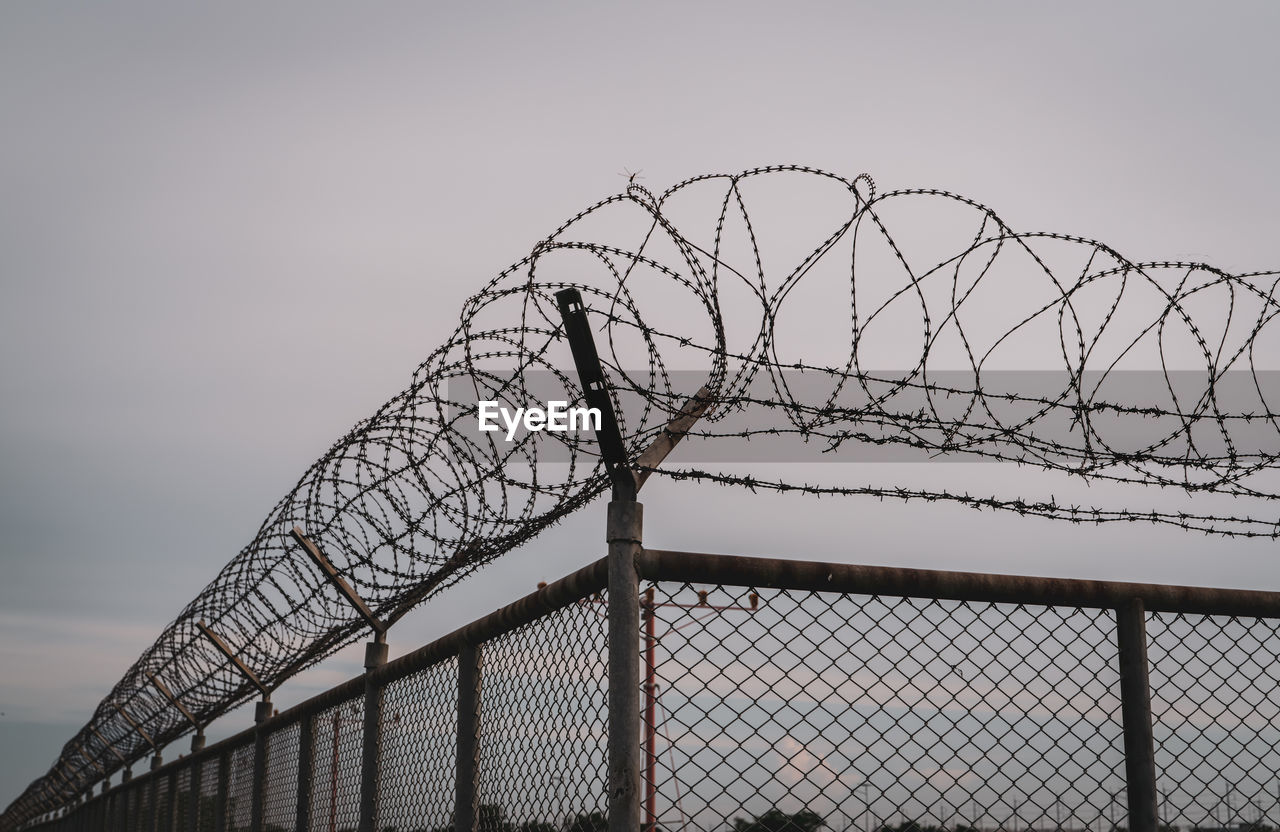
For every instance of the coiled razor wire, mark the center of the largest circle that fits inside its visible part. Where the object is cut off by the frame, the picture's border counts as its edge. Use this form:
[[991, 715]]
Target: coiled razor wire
[[737, 277]]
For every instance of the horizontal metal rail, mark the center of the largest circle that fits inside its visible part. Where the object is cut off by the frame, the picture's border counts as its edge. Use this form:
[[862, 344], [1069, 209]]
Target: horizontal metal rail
[[658, 565], [694, 567], [554, 596]]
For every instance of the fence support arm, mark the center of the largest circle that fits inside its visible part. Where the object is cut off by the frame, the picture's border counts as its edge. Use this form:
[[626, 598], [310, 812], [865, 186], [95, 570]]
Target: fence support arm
[[338, 582], [197, 741]]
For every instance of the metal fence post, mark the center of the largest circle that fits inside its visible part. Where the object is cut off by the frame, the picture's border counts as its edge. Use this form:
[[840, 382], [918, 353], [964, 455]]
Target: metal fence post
[[1135, 706], [375, 655], [623, 533], [306, 749], [466, 817], [624, 536], [257, 801], [153, 814]]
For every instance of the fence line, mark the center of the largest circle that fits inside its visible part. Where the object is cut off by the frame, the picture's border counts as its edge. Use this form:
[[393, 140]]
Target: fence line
[[773, 692]]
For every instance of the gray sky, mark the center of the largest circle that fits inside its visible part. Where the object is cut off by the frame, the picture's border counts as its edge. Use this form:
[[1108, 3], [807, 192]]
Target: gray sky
[[226, 235]]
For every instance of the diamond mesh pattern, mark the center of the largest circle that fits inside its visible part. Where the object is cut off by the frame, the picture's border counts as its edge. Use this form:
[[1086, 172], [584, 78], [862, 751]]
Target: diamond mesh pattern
[[240, 789], [418, 748], [778, 709], [335, 775], [164, 804], [182, 801], [873, 710], [114, 817], [1215, 708], [140, 808], [280, 799], [543, 719], [206, 817]]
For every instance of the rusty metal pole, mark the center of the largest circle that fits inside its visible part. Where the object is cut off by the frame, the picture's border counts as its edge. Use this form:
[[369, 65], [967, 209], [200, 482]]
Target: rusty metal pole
[[333, 773], [466, 814], [1135, 706], [375, 656], [650, 712]]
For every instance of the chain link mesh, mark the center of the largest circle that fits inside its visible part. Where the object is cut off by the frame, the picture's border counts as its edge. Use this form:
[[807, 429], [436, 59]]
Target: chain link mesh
[[280, 797], [418, 748], [1215, 707], [206, 818], [164, 804], [182, 801], [864, 712], [335, 774], [768, 710], [239, 810], [140, 808], [544, 723], [410, 501]]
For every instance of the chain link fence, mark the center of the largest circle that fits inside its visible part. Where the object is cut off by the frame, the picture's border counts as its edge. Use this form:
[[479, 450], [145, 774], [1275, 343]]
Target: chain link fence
[[772, 696]]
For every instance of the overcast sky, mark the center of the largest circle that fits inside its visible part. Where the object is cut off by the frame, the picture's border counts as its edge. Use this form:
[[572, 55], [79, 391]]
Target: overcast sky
[[226, 235]]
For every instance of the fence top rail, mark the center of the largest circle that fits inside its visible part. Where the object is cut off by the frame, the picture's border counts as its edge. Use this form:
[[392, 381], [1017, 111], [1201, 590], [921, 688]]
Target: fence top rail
[[760, 572], [554, 596], [696, 567]]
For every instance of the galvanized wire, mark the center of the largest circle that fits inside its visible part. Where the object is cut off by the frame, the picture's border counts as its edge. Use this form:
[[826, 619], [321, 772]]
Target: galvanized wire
[[767, 707], [335, 774], [1215, 701], [418, 747], [413, 499], [544, 722], [867, 711]]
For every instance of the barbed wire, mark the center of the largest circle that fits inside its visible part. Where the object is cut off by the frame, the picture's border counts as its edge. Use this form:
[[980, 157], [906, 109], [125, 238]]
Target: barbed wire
[[728, 280]]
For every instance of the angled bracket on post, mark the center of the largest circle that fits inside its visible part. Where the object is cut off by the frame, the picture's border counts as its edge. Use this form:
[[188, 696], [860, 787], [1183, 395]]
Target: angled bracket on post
[[340, 583], [671, 435], [626, 483], [232, 657], [66, 783], [109, 746], [80, 750], [137, 727], [591, 376], [197, 740], [173, 700], [264, 708]]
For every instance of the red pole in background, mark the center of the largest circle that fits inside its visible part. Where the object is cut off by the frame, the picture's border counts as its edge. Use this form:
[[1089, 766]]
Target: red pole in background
[[650, 714], [333, 776], [649, 612]]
